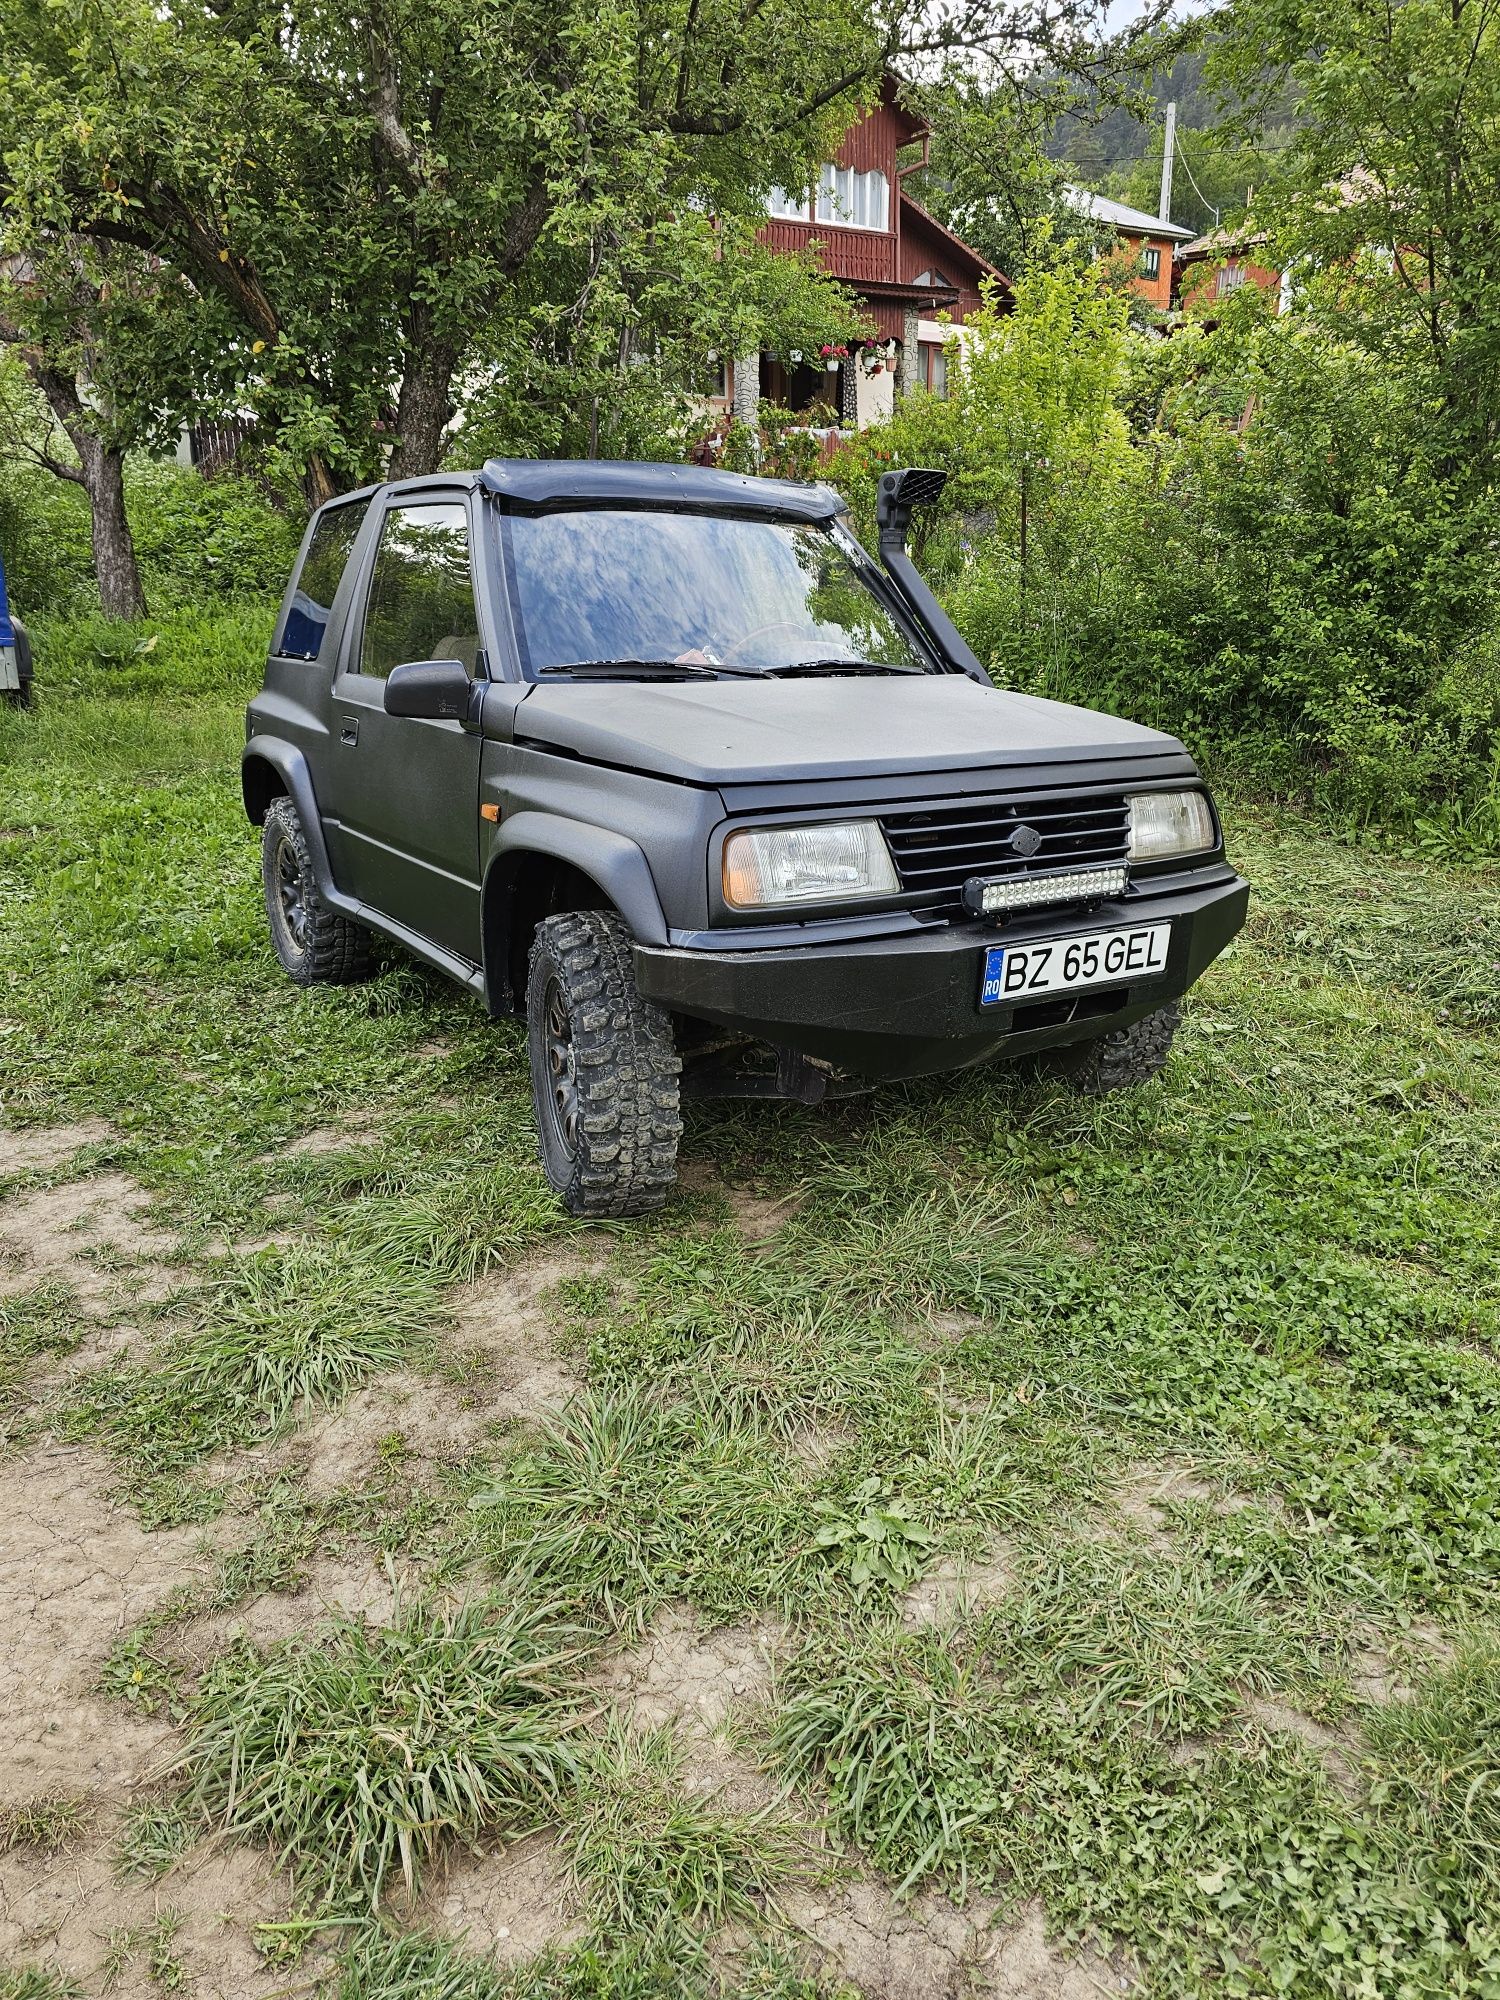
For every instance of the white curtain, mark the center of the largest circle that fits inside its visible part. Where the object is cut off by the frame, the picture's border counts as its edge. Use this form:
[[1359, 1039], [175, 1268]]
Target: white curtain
[[858, 201]]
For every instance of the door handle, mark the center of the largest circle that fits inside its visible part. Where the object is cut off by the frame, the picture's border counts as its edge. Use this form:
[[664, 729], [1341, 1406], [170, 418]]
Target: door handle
[[349, 731]]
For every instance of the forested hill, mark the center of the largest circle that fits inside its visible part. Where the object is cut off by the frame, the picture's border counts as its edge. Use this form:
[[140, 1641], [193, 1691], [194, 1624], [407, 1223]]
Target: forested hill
[[1118, 150], [1119, 138]]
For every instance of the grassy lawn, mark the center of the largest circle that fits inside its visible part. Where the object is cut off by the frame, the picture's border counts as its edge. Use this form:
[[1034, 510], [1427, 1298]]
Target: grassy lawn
[[973, 1542]]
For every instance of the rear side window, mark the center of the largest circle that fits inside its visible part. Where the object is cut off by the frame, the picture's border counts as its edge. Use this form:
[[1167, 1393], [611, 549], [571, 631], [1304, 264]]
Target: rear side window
[[317, 584], [421, 604]]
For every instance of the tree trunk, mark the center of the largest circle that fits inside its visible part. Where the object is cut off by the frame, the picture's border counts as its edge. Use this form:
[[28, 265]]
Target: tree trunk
[[425, 404], [320, 483], [102, 476], [120, 592]]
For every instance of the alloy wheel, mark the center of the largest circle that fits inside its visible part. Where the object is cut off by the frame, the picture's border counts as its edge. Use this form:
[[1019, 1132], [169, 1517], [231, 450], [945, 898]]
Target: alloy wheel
[[562, 1068], [291, 894]]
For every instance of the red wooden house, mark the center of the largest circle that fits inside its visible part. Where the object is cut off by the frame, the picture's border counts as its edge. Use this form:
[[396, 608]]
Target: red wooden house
[[904, 266]]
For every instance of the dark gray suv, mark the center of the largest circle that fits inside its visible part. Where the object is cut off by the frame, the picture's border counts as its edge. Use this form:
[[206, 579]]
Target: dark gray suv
[[661, 757]]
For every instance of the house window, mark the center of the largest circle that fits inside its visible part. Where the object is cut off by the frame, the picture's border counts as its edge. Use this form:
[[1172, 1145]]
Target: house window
[[788, 207], [1151, 262], [1229, 280], [859, 201], [934, 368], [936, 280]]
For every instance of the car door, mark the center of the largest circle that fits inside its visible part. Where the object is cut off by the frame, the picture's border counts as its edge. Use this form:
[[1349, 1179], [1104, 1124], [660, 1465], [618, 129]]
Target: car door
[[404, 805]]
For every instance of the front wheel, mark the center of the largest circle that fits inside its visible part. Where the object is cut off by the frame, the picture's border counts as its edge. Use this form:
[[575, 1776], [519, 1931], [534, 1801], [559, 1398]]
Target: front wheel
[[604, 1070], [1122, 1058], [316, 945]]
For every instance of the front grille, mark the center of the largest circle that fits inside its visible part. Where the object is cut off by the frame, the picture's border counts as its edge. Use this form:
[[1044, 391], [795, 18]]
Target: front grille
[[937, 849]]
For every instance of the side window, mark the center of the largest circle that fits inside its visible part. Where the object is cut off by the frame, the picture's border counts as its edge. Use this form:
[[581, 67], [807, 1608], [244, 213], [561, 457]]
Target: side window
[[421, 603], [317, 584]]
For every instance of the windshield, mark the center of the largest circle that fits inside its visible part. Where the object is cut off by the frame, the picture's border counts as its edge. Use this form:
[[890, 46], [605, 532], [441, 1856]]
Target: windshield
[[701, 590]]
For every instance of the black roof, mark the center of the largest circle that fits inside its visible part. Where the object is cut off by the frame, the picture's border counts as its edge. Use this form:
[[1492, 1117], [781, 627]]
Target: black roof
[[560, 482]]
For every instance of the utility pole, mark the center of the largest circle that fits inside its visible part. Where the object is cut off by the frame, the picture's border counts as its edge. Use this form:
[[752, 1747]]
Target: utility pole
[[1164, 207]]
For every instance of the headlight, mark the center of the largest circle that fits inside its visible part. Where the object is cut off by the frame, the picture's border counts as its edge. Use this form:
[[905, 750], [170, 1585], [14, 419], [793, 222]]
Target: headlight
[[1167, 823], [807, 864]]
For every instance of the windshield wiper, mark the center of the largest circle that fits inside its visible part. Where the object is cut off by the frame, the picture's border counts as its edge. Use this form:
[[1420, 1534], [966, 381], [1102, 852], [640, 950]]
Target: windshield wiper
[[661, 670], [835, 665]]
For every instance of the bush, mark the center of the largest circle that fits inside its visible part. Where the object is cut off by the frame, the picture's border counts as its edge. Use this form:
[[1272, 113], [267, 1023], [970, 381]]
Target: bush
[[197, 540], [1244, 537], [44, 540], [204, 540]]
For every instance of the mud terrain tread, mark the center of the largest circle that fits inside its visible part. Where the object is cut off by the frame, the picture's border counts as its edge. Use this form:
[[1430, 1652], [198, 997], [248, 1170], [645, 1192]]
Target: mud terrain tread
[[1125, 1057], [338, 950], [627, 1066]]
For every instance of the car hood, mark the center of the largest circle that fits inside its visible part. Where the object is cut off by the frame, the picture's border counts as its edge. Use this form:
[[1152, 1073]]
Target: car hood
[[746, 732]]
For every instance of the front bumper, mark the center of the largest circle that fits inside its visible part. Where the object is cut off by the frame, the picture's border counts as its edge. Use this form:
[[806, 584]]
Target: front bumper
[[908, 1004]]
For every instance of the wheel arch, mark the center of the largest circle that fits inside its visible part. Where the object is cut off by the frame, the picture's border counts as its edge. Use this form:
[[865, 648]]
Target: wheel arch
[[542, 864], [260, 783], [273, 770]]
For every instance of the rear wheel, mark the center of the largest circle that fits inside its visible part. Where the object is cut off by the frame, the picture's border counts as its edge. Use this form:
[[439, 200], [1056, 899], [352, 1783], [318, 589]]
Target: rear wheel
[[604, 1070], [317, 946], [1122, 1058]]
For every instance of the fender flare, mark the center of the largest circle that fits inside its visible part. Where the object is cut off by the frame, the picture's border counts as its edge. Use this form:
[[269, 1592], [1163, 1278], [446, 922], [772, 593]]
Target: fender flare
[[614, 863], [291, 767]]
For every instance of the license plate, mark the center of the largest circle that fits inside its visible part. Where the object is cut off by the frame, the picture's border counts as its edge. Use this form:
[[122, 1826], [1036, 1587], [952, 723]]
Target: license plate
[[10, 670], [1057, 965]]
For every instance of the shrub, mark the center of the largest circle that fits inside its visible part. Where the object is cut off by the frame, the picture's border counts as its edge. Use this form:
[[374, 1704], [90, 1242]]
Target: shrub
[[1245, 537], [204, 540], [197, 540]]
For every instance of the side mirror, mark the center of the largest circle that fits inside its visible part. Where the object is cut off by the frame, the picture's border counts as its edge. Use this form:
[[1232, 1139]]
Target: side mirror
[[897, 494], [438, 690]]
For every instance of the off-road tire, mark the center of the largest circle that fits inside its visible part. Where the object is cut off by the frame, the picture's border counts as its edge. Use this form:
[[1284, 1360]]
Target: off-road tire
[[1121, 1059], [316, 945], [604, 1070]]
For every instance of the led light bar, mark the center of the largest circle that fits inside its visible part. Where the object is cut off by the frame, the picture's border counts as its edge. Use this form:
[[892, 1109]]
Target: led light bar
[[994, 896]]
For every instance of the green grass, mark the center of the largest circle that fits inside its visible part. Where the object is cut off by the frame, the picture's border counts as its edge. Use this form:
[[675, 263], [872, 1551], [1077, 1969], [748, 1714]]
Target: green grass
[[657, 1862], [152, 1836], [35, 1325], [354, 1754], [37, 1982], [987, 1307], [286, 1329], [1435, 1763], [380, 1965], [44, 1826]]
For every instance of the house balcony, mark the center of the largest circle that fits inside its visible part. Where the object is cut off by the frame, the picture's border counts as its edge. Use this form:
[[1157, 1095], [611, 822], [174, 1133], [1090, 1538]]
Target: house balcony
[[855, 256]]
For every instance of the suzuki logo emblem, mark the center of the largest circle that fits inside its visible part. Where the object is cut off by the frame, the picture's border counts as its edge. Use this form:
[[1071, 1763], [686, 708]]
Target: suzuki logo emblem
[[1025, 841]]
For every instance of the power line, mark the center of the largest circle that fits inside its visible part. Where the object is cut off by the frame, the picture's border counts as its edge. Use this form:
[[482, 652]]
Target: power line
[[1182, 155]]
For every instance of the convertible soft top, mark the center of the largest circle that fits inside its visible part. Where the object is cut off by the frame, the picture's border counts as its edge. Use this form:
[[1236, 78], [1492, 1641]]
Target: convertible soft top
[[534, 484]]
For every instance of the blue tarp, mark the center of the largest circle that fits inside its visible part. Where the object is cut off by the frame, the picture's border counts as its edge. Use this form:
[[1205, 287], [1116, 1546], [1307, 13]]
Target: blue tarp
[[7, 630]]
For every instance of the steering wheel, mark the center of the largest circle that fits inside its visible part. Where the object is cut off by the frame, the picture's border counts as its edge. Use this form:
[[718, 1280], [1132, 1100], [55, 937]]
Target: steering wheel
[[776, 625]]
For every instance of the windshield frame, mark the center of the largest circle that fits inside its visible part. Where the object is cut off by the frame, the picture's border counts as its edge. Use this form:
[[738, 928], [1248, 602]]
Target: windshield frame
[[869, 574]]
